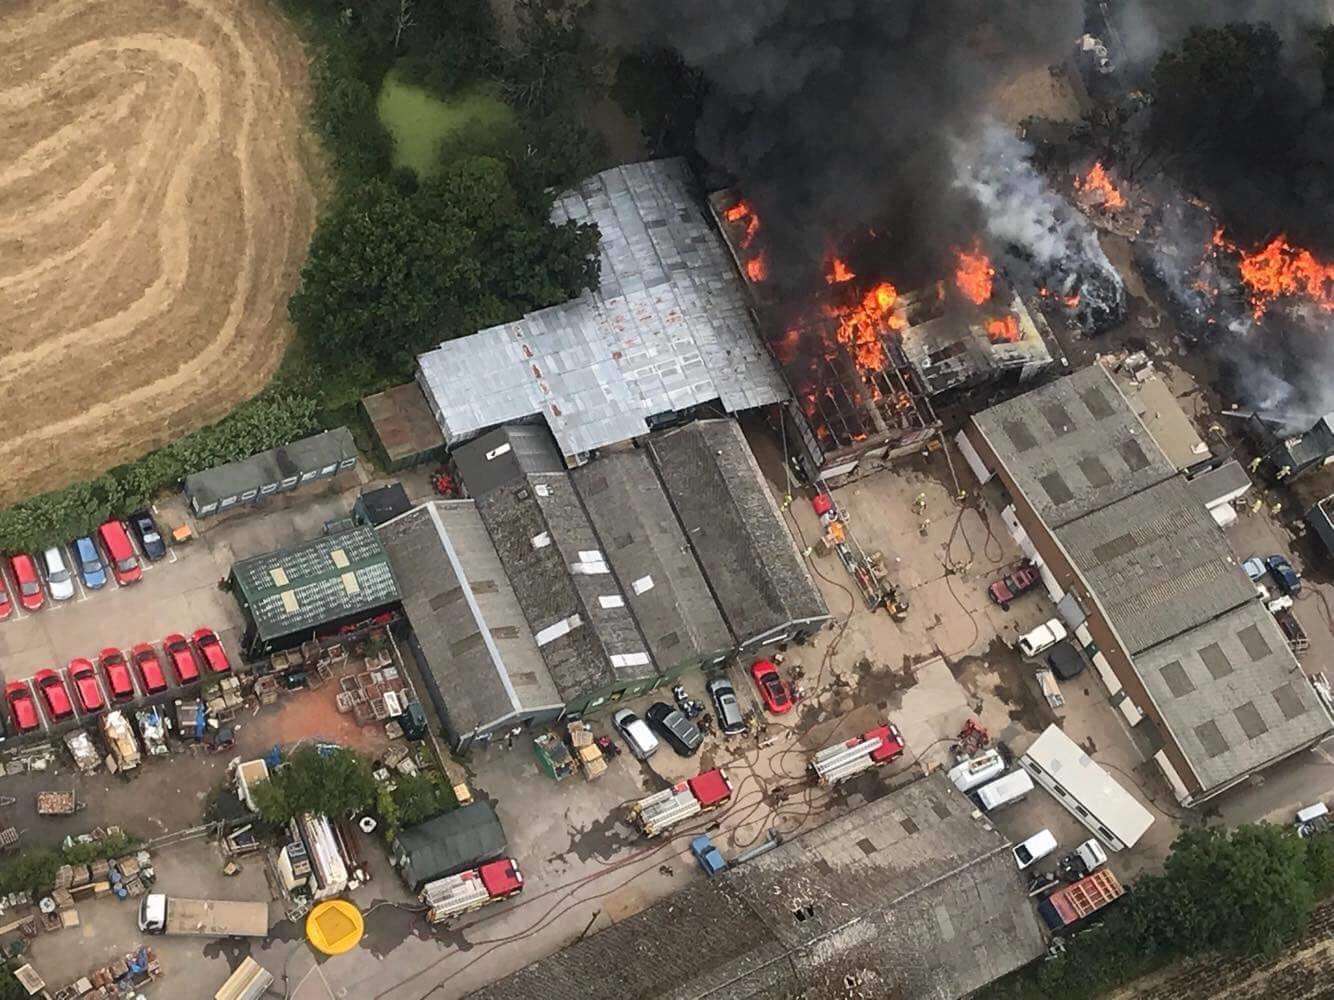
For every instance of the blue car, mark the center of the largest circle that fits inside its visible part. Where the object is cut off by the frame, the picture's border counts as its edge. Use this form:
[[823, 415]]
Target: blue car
[[90, 563], [1287, 578]]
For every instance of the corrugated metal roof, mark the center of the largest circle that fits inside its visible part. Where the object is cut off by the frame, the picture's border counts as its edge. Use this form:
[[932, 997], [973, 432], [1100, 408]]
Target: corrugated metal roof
[[296, 589], [908, 896], [313, 453], [668, 328], [1232, 694]]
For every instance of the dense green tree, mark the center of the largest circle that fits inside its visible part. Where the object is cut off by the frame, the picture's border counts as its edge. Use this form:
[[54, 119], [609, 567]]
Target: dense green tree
[[1222, 89], [664, 95], [334, 783], [556, 62]]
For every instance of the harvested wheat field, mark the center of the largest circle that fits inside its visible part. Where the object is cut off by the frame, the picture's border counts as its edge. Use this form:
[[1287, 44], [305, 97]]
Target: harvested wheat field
[[155, 208]]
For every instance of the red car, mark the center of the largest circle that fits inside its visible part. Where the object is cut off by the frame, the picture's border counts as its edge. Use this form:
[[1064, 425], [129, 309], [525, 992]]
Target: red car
[[182, 658], [775, 691], [117, 674], [29, 583], [120, 553], [1012, 585], [6, 606], [151, 674], [54, 693], [21, 706], [84, 678], [210, 648]]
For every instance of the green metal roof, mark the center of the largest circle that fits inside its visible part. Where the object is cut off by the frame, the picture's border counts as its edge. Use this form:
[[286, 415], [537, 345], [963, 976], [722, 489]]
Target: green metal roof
[[301, 588]]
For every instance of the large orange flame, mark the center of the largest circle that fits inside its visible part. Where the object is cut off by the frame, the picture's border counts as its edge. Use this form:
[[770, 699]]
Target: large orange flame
[[1099, 186], [861, 323], [1003, 330], [973, 274], [757, 267], [1280, 270]]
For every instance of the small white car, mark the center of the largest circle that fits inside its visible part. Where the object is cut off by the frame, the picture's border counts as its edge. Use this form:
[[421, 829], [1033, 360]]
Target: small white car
[[59, 580], [1042, 638], [1034, 849]]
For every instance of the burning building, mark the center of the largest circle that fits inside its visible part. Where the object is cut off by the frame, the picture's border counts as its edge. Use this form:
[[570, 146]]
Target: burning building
[[864, 362]]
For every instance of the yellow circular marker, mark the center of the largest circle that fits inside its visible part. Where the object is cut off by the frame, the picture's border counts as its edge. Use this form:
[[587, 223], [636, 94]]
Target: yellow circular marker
[[334, 926]]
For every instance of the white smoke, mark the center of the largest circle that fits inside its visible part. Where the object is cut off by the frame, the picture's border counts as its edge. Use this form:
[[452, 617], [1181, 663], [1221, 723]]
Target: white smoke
[[1037, 228]]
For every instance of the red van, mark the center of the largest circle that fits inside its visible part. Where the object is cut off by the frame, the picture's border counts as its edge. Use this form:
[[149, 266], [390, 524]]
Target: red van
[[120, 553]]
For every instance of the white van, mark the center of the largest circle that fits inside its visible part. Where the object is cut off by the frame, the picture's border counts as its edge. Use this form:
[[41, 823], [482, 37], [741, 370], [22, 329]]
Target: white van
[[1042, 638], [1034, 849], [976, 771], [1004, 791]]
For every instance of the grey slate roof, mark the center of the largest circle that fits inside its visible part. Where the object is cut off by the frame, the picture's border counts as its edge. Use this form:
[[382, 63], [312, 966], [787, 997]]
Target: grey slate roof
[[1158, 562], [560, 575], [506, 455], [909, 894], [650, 556], [301, 588], [738, 535], [479, 650], [1074, 445], [449, 843], [1232, 694], [668, 328]]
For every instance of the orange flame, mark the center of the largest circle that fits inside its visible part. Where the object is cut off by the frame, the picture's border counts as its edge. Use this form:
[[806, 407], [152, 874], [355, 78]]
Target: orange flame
[[1281, 269], [839, 272], [1003, 330], [757, 268], [974, 275], [860, 325], [1098, 185]]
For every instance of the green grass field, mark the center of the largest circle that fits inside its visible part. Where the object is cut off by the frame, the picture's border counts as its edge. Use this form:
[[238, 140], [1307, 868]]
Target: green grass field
[[420, 122]]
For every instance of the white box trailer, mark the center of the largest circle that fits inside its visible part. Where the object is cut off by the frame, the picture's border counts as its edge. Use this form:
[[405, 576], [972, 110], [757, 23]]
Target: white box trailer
[[1087, 792], [977, 771], [328, 867]]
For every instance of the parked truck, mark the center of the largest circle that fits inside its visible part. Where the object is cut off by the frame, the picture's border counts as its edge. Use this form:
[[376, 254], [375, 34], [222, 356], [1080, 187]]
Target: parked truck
[[861, 753], [153, 728], [163, 914], [1075, 902], [120, 738], [659, 812], [455, 895]]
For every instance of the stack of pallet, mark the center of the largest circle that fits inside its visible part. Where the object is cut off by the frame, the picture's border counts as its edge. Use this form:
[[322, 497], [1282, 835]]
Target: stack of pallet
[[224, 698], [586, 750], [116, 979]]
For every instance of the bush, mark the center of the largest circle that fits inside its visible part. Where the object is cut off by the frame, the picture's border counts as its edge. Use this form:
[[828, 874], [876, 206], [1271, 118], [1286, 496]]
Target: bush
[[113, 846], [335, 784], [32, 871]]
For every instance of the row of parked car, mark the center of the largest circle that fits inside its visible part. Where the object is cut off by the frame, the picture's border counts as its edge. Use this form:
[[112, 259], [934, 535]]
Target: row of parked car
[[188, 659], [107, 550]]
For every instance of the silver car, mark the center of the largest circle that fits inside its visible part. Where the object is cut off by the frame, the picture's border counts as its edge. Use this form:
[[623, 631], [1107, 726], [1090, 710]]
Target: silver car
[[636, 733], [730, 718], [59, 580]]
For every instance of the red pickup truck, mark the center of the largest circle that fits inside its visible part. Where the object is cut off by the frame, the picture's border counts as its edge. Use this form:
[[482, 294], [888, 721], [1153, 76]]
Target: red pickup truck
[[1012, 585]]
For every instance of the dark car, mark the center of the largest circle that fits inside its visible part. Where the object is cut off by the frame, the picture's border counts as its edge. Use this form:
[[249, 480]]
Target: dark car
[[1287, 578], [683, 735], [1065, 661], [1012, 585], [150, 539]]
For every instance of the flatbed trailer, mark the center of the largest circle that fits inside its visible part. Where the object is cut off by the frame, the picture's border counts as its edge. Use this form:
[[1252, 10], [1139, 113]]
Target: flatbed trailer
[[1080, 899]]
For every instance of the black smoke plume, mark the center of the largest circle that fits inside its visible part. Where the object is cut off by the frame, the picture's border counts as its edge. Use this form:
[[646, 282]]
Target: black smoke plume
[[840, 119]]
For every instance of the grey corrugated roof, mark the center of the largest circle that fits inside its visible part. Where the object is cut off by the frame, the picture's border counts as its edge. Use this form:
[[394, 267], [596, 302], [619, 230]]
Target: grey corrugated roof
[[738, 535], [556, 565], [450, 843], [505, 455], [910, 895], [667, 329], [651, 558], [1074, 445], [308, 454], [1218, 482], [1312, 446], [1224, 678], [478, 647], [298, 589], [1158, 563]]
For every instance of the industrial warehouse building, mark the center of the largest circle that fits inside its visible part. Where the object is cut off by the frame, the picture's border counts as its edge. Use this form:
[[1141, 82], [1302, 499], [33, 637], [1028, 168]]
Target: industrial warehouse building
[[255, 479], [338, 580], [555, 592], [667, 331], [908, 896], [1139, 566]]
